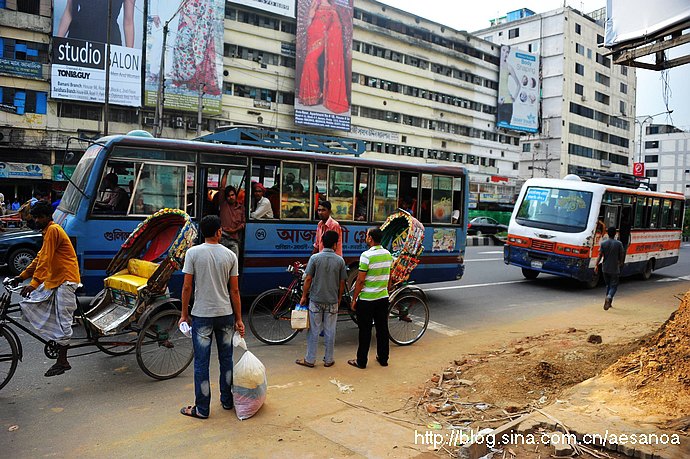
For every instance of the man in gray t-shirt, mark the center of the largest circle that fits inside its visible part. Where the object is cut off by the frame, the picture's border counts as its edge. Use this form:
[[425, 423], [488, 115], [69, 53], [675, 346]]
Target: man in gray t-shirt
[[217, 311], [613, 254], [323, 286]]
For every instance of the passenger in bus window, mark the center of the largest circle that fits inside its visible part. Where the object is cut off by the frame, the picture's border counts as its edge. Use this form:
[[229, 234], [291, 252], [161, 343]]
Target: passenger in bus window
[[261, 206], [327, 223], [361, 205], [232, 221], [115, 198]]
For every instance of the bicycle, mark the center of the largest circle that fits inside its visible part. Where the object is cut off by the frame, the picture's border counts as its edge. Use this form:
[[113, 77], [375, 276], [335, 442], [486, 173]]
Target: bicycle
[[269, 314]]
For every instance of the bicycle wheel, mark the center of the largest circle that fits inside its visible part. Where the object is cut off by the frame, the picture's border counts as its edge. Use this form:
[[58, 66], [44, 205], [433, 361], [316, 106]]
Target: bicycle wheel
[[408, 318], [9, 356], [120, 344], [269, 317], [163, 351]]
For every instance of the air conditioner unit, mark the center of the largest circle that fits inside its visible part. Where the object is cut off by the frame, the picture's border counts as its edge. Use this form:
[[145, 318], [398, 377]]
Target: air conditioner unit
[[179, 122], [537, 144], [192, 126], [584, 99], [5, 135], [149, 120]]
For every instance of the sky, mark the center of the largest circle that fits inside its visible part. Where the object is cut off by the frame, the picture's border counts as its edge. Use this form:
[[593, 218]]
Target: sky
[[470, 16]]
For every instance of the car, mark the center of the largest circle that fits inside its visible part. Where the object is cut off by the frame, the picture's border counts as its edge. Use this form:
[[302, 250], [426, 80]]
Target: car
[[484, 225], [18, 249]]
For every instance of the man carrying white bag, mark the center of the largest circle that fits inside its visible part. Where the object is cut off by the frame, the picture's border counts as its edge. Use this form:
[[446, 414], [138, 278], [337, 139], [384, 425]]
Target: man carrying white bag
[[249, 382]]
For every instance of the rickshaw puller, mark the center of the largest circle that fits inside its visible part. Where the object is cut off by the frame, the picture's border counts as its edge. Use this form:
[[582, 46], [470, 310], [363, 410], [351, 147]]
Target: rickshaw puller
[[50, 299]]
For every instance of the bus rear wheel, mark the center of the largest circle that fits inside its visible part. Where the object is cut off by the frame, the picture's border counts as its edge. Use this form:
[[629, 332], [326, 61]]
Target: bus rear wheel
[[647, 273], [529, 273]]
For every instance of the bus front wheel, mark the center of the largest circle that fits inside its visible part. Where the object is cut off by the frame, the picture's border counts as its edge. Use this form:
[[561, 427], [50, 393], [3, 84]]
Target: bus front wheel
[[529, 273], [594, 281]]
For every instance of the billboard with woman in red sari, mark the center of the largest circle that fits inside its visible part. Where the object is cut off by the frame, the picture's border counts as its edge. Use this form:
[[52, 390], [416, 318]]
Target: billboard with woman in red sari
[[324, 63]]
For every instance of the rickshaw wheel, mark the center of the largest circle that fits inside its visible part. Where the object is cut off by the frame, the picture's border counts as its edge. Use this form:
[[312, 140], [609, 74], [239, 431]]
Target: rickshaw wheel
[[51, 350], [114, 345], [9, 356], [408, 317], [271, 325], [163, 351]]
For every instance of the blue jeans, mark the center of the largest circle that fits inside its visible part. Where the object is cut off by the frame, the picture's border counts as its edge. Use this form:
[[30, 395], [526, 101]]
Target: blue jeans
[[203, 329], [321, 317], [611, 281]]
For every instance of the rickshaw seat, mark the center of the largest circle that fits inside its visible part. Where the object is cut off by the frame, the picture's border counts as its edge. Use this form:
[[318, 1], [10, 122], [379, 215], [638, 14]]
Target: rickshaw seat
[[135, 276]]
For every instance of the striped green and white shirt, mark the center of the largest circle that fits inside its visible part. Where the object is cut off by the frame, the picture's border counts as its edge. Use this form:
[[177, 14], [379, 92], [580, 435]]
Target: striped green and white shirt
[[376, 262]]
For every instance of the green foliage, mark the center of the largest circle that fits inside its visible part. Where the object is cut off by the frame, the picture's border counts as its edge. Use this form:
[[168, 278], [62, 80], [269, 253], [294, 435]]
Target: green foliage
[[686, 222]]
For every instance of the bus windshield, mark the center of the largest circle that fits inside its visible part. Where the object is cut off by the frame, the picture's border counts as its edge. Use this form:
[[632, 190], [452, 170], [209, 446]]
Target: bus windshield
[[72, 197], [555, 209]]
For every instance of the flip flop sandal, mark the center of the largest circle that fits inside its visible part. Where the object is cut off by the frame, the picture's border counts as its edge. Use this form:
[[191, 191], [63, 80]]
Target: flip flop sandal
[[228, 406], [190, 411], [304, 363], [354, 364], [328, 364], [56, 370]]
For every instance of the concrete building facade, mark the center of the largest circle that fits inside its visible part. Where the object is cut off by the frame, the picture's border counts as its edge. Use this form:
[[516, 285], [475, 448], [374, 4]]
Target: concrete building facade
[[587, 103], [665, 152]]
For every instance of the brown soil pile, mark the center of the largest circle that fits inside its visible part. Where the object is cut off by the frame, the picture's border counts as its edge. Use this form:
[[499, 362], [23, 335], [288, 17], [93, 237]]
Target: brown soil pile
[[659, 371], [486, 389]]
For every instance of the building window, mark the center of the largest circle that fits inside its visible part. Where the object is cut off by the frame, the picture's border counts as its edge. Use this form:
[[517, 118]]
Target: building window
[[624, 88], [589, 53], [621, 106], [21, 101], [578, 29], [29, 6], [579, 49], [605, 61], [514, 33], [579, 69], [603, 98], [652, 173], [579, 89], [651, 158], [602, 79], [651, 144], [600, 39], [526, 147], [624, 70]]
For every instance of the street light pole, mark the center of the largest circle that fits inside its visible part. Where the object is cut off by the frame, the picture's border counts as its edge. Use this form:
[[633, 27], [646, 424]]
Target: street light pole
[[642, 123]]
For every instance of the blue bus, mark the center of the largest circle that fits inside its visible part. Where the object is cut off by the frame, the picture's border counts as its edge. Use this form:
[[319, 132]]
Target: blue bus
[[164, 173]]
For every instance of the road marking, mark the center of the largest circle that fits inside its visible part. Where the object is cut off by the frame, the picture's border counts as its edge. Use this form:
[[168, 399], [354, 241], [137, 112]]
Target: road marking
[[493, 251], [484, 259], [674, 279], [475, 285], [443, 329]]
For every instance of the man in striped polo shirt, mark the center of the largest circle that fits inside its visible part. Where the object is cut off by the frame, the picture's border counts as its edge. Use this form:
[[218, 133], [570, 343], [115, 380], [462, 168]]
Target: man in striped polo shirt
[[370, 299]]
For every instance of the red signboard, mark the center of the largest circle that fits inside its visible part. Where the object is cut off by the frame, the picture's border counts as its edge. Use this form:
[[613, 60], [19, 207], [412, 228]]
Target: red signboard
[[638, 169]]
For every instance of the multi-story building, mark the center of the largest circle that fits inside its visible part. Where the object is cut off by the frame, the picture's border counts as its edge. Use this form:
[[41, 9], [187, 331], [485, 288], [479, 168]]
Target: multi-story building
[[587, 103], [421, 92], [665, 151]]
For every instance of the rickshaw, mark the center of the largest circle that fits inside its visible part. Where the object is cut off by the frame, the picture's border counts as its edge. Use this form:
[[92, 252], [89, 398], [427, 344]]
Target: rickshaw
[[408, 313], [134, 311]]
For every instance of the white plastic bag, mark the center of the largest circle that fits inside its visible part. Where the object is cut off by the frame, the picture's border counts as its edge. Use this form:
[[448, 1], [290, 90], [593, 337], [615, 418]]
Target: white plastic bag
[[248, 382]]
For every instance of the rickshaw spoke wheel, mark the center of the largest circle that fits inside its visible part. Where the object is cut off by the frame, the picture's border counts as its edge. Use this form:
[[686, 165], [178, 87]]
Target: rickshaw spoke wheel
[[9, 356], [51, 350], [163, 351], [269, 317], [120, 344], [408, 318]]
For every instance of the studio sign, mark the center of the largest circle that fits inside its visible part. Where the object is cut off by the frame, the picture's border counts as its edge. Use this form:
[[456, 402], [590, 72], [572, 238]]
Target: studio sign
[[78, 53]]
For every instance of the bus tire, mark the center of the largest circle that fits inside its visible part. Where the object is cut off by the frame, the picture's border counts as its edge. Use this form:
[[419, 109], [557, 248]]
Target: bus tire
[[648, 268], [592, 283], [530, 274]]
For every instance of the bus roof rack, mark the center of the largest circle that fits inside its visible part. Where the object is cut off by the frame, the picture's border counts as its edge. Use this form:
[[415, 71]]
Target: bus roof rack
[[617, 179], [286, 140]]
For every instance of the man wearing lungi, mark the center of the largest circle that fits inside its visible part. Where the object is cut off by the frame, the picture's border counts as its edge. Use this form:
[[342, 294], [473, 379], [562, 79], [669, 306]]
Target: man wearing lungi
[[49, 299]]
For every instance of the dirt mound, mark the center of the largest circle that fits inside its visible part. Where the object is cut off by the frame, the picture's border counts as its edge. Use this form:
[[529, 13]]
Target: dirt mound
[[659, 372]]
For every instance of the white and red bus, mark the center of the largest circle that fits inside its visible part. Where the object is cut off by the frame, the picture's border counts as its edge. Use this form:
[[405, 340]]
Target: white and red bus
[[557, 225]]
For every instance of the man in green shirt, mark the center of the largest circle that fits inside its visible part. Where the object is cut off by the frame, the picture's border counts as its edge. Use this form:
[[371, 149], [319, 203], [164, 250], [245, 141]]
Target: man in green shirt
[[370, 299]]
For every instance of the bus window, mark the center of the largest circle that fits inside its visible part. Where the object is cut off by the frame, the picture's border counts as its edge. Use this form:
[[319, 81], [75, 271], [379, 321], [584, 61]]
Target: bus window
[[295, 197], [676, 214], [425, 206], [362, 194], [267, 173], [115, 189], [442, 199], [158, 186], [217, 178], [341, 186], [191, 188], [409, 184], [457, 217], [611, 216], [639, 213], [665, 214], [385, 194], [656, 207]]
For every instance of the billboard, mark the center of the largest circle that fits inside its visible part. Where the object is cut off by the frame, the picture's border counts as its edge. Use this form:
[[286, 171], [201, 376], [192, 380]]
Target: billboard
[[282, 7], [323, 77], [80, 29], [518, 90], [193, 54], [628, 20]]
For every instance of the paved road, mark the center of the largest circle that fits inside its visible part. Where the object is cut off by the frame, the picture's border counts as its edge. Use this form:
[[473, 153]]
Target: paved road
[[490, 293]]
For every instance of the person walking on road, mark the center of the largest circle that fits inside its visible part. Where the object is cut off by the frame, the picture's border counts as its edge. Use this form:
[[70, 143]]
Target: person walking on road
[[324, 286], [327, 223], [212, 268], [613, 254], [370, 299], [50, 299]]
